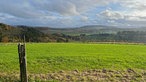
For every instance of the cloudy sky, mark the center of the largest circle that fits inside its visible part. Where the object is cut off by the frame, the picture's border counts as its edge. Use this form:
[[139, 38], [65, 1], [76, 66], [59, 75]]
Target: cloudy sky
[[73, 13]]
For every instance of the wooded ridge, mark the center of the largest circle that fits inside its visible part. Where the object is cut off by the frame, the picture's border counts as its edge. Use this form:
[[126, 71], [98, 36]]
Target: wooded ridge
[[96, 33]]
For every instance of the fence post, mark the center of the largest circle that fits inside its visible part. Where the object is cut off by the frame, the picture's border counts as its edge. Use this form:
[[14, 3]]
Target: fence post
[[22, 62]]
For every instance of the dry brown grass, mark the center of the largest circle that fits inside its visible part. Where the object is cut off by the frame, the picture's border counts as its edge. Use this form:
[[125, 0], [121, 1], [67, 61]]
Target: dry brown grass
[[84, 76]]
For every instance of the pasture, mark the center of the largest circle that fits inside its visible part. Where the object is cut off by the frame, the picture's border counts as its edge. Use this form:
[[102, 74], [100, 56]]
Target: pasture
[[75, 62]]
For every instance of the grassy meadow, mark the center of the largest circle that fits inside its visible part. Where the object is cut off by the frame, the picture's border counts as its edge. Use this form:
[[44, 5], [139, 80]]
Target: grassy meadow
[[47, 59]]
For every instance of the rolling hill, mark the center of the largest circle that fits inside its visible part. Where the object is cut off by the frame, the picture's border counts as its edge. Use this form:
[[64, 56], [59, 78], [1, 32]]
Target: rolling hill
[[90, 33], [16, 34], [90, 29]]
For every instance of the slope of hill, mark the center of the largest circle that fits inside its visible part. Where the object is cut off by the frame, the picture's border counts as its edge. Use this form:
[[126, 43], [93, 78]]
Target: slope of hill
[[16, 34], [91, 29], [91, 33], [95, 33], [80, 30], [9, 33]]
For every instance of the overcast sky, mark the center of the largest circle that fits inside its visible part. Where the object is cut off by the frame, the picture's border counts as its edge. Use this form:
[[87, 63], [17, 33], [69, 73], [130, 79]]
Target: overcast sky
[[73, 13]]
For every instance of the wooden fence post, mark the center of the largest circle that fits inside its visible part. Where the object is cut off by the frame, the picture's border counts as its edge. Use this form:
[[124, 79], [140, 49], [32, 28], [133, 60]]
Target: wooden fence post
[[22, 62]]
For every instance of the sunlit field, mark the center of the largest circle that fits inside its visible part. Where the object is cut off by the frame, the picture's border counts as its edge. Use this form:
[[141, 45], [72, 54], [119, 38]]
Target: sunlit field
[[47, 61]]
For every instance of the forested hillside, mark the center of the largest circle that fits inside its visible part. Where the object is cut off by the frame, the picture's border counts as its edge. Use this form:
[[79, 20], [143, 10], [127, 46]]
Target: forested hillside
[[89, 30], [123, 36], [16, 34], [84, 34], [9, 33]]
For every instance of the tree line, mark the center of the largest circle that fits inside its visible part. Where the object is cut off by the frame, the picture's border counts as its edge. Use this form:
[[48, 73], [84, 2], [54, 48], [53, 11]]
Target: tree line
[[122, 36], [16, 34]]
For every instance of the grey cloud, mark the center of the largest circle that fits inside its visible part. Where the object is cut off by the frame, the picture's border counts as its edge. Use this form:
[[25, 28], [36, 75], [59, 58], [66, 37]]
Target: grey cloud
[[56, 6], [19, 9], [70, 12], [121, 18], [109, 14], [38, 8], [84, 18], [68, 7], [64, 8], [134, 4], [136, 18]]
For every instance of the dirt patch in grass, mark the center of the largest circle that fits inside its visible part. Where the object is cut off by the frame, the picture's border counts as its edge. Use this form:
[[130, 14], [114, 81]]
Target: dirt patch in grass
[[76, 75]]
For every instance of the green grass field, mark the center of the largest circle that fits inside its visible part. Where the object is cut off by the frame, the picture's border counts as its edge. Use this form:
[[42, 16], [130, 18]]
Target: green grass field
[[44, 58]]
